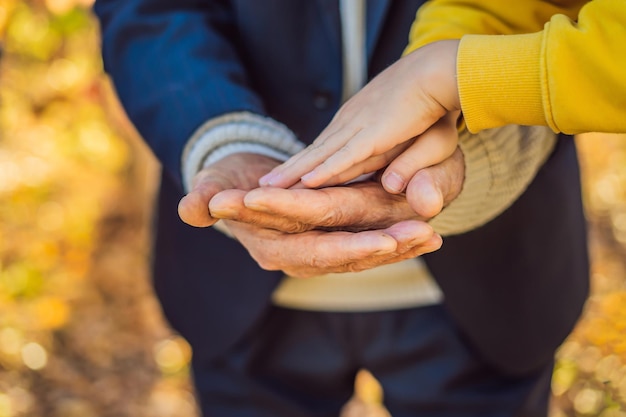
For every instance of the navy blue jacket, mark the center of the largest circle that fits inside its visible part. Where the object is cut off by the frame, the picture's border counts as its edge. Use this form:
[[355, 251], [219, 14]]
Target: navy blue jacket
[[515, 286]]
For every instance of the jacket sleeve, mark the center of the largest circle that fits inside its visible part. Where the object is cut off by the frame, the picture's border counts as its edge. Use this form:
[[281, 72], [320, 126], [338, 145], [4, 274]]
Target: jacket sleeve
[[569, 76], [174, 65]]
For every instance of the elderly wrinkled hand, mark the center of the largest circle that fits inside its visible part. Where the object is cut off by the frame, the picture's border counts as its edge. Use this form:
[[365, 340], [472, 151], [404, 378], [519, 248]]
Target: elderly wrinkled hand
[[307, 232]]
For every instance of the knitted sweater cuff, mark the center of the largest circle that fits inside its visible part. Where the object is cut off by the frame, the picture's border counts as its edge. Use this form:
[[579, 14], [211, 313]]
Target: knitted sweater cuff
[[233, 133], [499, 166]]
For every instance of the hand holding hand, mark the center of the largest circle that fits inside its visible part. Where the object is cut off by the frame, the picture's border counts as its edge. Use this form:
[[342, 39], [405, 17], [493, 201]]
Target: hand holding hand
[[305, 232], [306, 254], [354, 207], [378, 123]]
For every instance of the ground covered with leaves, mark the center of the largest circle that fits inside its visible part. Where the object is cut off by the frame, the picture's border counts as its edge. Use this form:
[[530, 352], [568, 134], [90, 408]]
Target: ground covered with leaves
[[81, 334]]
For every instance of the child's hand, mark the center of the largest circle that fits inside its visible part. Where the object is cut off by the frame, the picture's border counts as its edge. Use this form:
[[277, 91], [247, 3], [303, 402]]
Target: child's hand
[[379, 122], [435, 145]]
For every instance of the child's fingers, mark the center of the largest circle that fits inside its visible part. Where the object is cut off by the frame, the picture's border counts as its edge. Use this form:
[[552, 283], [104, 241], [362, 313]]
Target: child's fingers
[[288, 173], [366, 167], [355, 150], [431, 147]]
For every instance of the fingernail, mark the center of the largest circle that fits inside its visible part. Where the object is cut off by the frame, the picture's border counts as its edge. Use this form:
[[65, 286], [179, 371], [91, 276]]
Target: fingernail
[[386, 245], [307, 177], [267, 179], [382, 252], [393, 182], [224, 213], [253, 203]]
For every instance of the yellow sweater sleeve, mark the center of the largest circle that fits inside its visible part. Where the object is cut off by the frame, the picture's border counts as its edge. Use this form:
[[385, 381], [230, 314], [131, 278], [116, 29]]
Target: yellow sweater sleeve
[[451, 19], [499, 163], [571, 76]]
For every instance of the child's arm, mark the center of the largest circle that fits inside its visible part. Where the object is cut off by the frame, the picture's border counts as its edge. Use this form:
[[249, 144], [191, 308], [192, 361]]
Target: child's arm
[[433, 23], [401, 103]]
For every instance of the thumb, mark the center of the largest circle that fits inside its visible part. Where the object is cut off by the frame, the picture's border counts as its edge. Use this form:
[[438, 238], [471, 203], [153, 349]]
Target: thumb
[[193, 208], [424, 194], [431, 147], [432, 188]]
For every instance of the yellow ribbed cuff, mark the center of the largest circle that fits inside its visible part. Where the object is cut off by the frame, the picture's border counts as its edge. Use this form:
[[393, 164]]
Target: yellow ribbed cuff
[[499, 80]]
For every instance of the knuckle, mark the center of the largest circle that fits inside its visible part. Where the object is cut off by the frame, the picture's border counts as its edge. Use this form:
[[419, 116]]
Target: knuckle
[[295, 227], [334, 217], [345, 149], [312, 260], [356, 267], [329, 218], [405, 163]]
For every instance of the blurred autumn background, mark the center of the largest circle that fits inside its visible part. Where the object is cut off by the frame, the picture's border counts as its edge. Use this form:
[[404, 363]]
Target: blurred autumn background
[[80, 332]]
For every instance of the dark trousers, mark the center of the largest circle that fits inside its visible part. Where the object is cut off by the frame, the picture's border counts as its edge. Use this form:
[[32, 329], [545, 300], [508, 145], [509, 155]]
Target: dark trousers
[[302, 364]]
